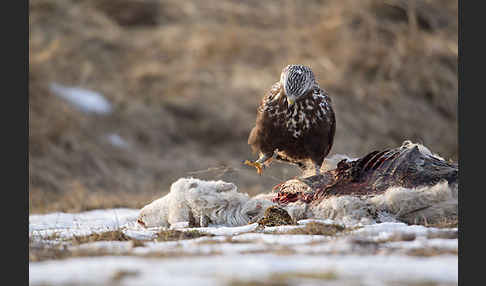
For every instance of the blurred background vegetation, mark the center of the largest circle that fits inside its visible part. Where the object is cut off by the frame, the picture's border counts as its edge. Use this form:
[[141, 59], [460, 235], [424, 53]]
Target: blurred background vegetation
[[184, 79]]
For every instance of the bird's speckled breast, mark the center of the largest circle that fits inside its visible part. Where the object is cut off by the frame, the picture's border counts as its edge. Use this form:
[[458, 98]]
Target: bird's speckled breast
[[304, 115]]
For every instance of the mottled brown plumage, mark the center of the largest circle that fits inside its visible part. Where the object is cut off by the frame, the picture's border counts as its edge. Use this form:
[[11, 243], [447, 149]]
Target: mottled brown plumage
[[295, 121]]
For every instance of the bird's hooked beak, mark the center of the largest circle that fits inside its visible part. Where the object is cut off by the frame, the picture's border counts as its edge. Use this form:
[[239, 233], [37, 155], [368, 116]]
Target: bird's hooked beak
[[290, 100], [290, 97]]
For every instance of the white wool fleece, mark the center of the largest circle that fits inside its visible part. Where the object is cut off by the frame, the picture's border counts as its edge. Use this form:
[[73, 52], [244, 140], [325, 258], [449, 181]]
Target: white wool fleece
[[202, 203]]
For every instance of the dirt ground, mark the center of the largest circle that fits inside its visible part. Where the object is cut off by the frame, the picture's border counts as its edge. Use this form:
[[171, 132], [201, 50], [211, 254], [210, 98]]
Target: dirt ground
[[185, 78]]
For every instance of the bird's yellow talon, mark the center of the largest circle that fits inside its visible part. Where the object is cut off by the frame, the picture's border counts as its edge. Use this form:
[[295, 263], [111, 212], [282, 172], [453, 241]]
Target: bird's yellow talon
[[257, 165]]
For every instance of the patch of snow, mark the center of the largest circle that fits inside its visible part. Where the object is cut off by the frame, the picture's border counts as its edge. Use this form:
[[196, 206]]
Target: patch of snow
[[140, 234], [179, 225], [439, 243], [337, 245], [385, 230], [244, 253], [323, 221], [113, 247], [66, 225], [288, 239], [117, 141], [219, 270], [283, 228], [226, 230], [83, 99], [306, 221]]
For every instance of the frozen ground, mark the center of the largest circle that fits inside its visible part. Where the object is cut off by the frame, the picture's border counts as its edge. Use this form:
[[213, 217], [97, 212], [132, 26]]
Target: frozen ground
[[73, 249]]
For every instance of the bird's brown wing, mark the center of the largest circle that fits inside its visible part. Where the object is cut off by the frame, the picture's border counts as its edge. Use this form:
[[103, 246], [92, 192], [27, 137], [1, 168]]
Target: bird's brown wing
[[270, 97], [332, 122], [261, 134]]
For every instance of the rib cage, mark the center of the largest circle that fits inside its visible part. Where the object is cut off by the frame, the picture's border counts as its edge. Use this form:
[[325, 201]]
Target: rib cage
[[405, 166]]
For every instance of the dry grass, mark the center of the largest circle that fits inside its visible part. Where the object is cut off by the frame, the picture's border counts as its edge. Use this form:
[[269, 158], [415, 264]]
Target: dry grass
[[171, 235], [315, 228], [448, 234], [418, 283], [41, 252], [428, 252], [121, 274], [288, 278], [185, 78], [328, 275], [445, 223], [115, 235], [398, 237]]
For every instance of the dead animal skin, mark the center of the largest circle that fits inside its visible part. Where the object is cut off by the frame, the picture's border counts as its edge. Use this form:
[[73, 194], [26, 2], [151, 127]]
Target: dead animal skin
[[407, 183]]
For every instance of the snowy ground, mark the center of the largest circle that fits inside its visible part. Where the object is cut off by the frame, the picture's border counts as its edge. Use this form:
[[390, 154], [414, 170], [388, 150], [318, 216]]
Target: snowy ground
[[71, 249]]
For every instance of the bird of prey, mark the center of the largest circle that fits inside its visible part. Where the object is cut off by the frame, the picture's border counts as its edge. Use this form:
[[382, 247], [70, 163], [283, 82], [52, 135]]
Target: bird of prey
[[295, 122]]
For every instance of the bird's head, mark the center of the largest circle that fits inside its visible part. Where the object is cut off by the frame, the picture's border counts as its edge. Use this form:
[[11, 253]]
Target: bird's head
[[296, 80]]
